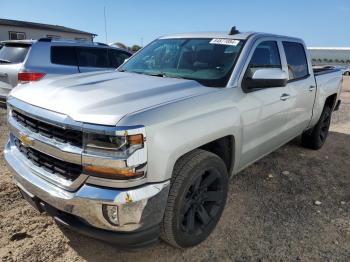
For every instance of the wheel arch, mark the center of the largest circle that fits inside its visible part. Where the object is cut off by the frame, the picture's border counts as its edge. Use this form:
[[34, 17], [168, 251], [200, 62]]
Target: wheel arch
[[331, 101], [224, 147]]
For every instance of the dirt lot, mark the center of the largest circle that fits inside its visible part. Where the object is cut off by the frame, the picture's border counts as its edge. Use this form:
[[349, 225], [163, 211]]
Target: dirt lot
[[266, 218]]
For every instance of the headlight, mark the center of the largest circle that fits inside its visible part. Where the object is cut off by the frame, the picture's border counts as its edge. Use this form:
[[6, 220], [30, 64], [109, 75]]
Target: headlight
[[121, 155], [115, 146]]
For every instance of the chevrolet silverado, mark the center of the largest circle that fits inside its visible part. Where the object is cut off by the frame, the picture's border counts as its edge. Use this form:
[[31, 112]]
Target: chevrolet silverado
[[145, 152]]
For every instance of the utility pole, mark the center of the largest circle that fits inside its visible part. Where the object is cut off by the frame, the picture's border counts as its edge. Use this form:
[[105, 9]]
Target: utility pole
[[104, 13]]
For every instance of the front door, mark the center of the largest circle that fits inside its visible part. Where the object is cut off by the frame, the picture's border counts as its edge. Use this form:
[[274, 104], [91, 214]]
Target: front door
[[265, 111]]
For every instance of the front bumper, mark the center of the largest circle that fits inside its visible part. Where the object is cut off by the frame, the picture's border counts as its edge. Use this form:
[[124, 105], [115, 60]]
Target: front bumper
[[137, 239], [139, 209]]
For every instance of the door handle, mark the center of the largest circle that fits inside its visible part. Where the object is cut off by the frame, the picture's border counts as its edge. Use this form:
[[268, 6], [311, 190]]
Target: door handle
[[312, 88], [284, 97], [3, 74]]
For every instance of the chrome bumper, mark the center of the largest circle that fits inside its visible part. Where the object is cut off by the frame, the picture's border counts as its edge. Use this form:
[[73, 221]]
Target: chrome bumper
[[138, 208]]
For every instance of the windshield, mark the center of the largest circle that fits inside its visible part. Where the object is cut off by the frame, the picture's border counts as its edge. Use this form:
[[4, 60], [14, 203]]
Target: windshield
[[13, 53], [208, 61]]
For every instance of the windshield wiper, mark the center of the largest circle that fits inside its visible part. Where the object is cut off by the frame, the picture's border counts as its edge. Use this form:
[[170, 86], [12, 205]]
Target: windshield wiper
[[157, 74], [149, 74], [160, 74], [5, 61]]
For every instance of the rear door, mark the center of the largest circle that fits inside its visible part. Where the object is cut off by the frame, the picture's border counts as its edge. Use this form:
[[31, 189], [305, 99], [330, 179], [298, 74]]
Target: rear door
[[301, 87], [12, 56], [93, 59], [63, 61], [117, 57]]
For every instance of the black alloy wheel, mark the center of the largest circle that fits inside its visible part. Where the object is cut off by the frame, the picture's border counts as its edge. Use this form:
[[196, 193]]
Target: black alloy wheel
[[197, 197], [202, 202]]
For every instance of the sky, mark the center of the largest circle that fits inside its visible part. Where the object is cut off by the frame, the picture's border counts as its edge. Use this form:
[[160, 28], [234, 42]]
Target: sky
[[318, 22]]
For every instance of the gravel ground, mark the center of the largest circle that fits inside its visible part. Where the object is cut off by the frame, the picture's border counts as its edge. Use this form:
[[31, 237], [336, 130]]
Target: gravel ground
[[270, 215]]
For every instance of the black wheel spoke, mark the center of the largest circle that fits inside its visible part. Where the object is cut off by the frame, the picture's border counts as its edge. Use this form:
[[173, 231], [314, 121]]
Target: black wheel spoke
[[197, 183], [210, 179], [212, 196], [190, 220], [203, 215]]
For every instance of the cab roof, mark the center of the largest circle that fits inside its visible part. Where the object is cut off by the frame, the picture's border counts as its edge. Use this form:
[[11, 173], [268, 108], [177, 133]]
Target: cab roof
[[238, 36]]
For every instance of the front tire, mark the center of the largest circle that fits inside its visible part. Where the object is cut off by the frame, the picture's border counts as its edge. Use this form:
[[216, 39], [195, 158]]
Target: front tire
[[317, 137], [197, 197]]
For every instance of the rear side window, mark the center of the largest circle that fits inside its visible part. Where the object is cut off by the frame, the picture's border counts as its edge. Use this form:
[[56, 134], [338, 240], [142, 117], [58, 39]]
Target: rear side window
[[13, 54], [266, 55], [93, 57], [117, 57], [296, 60], [63, 55]]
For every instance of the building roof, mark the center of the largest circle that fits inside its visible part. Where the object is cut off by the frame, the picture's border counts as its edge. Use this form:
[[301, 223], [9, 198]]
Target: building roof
[[57, 28], [330, 48]]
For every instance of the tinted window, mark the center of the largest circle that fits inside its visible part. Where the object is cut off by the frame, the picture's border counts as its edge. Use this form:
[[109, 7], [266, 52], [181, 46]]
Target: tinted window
[[296, 60], [63, 55], [117, 57], [93, 57], [13, 53], [265, 55]]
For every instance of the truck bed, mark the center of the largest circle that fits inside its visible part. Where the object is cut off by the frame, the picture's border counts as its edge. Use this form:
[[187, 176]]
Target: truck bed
[[320, 70]]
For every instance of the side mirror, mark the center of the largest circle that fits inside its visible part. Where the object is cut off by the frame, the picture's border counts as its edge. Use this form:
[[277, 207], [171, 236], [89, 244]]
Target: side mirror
[[265, 78]]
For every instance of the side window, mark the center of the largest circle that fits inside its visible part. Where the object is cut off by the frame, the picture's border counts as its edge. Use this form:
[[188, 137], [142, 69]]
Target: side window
[[117, 57], [63, 55], [296, 60], [93, 57], [266, 55]]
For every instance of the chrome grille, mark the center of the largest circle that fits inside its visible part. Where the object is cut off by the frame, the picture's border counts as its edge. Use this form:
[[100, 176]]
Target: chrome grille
[[50, 164], [73, 137]]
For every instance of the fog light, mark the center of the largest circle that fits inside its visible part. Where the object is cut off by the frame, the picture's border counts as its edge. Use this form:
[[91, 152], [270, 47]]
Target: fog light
[[111, 214]]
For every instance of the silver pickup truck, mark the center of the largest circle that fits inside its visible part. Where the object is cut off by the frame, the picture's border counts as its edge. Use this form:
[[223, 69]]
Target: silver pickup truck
[[146, 152]]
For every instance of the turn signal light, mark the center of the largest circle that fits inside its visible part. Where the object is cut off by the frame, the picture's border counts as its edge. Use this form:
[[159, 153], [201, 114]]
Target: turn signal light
[[135, 139], [108, 172], [29, 76]]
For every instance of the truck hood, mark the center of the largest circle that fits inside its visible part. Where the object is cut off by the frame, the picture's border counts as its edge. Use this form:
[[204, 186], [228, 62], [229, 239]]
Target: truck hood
[[105, 97]]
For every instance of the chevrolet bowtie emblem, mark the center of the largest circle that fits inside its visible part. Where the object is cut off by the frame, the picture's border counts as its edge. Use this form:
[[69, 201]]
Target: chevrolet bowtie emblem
[[25, 140]]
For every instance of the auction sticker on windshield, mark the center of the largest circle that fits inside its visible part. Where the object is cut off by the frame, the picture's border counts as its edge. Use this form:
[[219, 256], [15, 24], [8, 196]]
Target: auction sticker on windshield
[[224, 41]]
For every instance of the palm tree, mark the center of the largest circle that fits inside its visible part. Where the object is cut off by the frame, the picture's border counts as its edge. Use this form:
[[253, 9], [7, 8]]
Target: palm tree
[[120, 45], [135, 48]]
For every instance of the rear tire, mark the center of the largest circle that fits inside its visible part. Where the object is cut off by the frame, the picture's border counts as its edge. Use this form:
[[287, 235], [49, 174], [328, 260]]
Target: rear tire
[[197, 197], [318, 135]]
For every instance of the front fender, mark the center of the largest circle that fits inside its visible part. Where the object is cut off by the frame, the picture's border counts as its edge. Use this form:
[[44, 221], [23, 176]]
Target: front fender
[[177, 128]]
